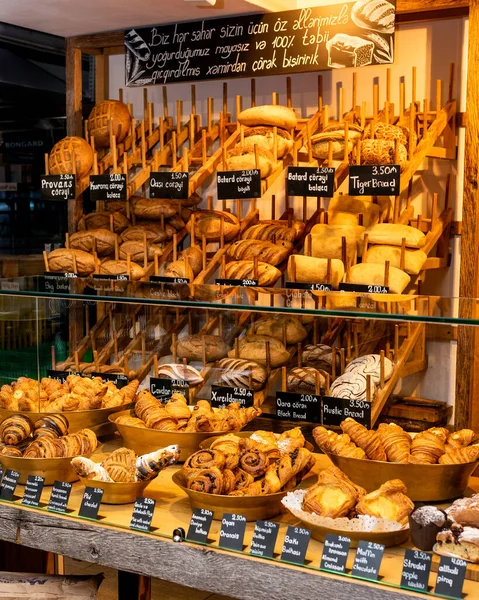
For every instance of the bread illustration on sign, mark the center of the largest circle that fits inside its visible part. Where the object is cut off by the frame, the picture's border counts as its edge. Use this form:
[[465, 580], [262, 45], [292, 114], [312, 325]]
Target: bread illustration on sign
[[375, 15], [349, 51]]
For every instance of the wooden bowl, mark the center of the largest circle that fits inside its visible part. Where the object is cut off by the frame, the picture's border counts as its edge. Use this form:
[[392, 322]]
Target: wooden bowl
[[117, 493], [51, 469]]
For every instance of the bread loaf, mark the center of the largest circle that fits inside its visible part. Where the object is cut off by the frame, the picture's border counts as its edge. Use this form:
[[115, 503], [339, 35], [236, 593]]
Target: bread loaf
[[61, 260], [194, 255], [345, 210], [269, 115], [102, 241], [334, 134], [267, 252], [331, 246], [116, 206], [176, 222], [208, 224], [244, 269], [274, 230], [120, 267], [109, 116], [243, 158], [303, 380], [191, 347], [154, 234], [278, 326], [102, 220], [375, 15], [320, 356], [314, 270], [71, 155], [181, 372], [168, 229], [253, 347], [383, 152], [393, 234], [386, 131], [136, 250], [413, 259], [371, 274], [153, 208], [263, 137], [179, 268], [237, 372]]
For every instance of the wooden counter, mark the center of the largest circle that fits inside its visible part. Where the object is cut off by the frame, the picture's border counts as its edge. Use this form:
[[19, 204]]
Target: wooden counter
[[109, 542]]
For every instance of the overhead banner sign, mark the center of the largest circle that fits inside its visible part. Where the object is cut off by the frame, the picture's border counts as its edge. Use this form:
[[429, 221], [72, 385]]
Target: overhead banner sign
[[351, 34]]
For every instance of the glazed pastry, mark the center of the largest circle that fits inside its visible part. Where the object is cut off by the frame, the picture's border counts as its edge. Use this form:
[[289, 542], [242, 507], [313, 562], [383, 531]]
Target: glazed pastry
[[254, 347], [237, 372], [254, 462], [149, 465], [458, 541], [465, 511], [353, 386], [459, 439], [242, 479], [229, 445], [281, 327], [298, 461], [369, 441], [349, 51], [204, 459], [370, 364], [15, 429], [306, 380], [320, 357], [427, 447], [269, 445], [341, 445], [389, 502], [396, 442], [86, 468], [209, 481], [45, 447], [180, 372], [191, 347], [53, 425], [290, 440], [333, 496], [121, 465], [424, 524], [459, 456]]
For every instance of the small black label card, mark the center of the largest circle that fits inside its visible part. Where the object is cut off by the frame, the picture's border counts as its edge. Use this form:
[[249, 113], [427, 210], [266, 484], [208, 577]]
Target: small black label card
[[58, 187], [57, 283], [107, 277], [264, 538], [314, 287], [298, 407], [368, 560], [363, 289], [143, 511], [221, 396], [332, 411], [232, 532], [200, 525], [233, 185], [118, 379], [310, 181], [60, 376], [415, 572], [295, 545], [33, 490], [169, 280], [59, 497], [108, 187], [172, 185], [9, 484], [238, 282], [90, 503], [374, 180], [335, 553], [450, 577], [163, 388], [336, 410]]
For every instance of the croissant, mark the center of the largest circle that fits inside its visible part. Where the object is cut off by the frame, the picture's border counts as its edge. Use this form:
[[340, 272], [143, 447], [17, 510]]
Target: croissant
[[149, 465], [369, 441], [389, 502], [343, 446], [459, 456], [144, 403], [333, 496], [15, 429], [84, 467], [230, 447], [121, 465], [426, 448], [209, 481], [177, 407], [293, 463], [11, 451], [461, 438], [132, 421], [53, 425], [396, 442], [159, 418], [324, 438], [204, 459]]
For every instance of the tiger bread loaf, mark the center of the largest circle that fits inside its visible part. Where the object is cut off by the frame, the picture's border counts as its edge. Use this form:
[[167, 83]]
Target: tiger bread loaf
[[269, 115], [281, 327], [194, 256], [64, 260], [267, 252], [255, 348], [155, 234], [386, 131], [372, 274], [180, 372], [413, 259], [179, 268], [154, 208], [263, 137], [383, 152], [137, 251], [265, 274], [192, 347], [104, 220], [208, 224], [238, 372], [393, 234], [274, 230], [121, 267], [101, 241], [345, 210], [335, 135], [245, 158], [329, 244], [307, 269]]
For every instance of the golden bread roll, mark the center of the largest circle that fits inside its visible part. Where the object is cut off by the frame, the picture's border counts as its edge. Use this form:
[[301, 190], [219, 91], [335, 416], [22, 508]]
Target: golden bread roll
[[371, 274], [355, 232], [153, 208], [254, 347], [345, 210], [244, 269], [413, 259], [64, 260], [120, 267], [336, 135], [263, 137], [179, 268], [279, 326], [103, 220], [106, 116], [154, 234], [136, 250], [267, 252], [102, 241], [314, 270], [208, 224], [71, 155], [194, 255], [243, 158], [382, 152], [392, 234], [331, 246], [269, 115]]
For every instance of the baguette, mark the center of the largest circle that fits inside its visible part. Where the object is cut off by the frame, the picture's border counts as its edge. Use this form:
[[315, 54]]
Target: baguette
[[102, 241], [269, 115], [393, 234], [195, 257], [345, 210], [372, 274], [61, 260], [179, 268], [336, 135], [154, 234], [243, 158], [154, 208], [413, 259], [263, 137], [120, 267], [208, 224], [191, 347], [244, 269], [101, 220], [136, 250], [267, 252], [253, 347], [314, 270]]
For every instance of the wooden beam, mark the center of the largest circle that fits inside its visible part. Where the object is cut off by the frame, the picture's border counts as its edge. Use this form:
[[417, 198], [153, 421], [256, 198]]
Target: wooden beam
[[74, 89], [101, 78]]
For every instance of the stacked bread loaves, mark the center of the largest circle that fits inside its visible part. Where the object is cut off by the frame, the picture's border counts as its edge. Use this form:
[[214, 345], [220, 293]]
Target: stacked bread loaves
[[353, 383]]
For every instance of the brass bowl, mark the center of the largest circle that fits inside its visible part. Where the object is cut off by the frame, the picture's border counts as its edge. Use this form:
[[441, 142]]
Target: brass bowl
[[117, 493], [51, 469], [243, 434], [77, 419], [425, 483]]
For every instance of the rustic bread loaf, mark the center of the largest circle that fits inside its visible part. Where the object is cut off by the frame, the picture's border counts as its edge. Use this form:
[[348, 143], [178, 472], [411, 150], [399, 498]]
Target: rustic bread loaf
[[386, 131], [314, 270], [191, 347], [194, 255], [102, 220], [267, 252], [280, 325], [263, 137], [208, 224], [120, 267], [393, 234], [336, 135], [303, 380], [102, 241], [136, 250], [244, 269], [238, 372], [109, 116], [71, 155], [382, 152], [64, 260], [179, 268], [331, 246], [153, 208], [345, 210], [269, 115], [154, 234], [243, 158], [413, 259], [372, 274], [253, 347]]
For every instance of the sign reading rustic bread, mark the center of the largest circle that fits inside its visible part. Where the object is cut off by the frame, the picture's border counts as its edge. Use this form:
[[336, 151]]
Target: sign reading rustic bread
[[172, 185], [335, 410], [374, 180], [234, 185], [317, 182], [110, 186], [58, 187], [349, 34]]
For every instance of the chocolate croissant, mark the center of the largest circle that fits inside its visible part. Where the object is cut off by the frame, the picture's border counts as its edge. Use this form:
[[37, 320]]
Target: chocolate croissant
[[51, 425], [86, 468], [15, 429]]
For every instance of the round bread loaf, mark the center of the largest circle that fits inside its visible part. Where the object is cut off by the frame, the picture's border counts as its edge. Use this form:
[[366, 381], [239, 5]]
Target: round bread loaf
[[65, 260], [385, 131], [320, 356], [382, 152], [303, 380], [237, 372], [281, 325], [370, 364], [71, 155], [179, 268], [352, 386], [263, 137], [191, 347], [270, 115], [194, 255], [109, 114], [208, 224], [243, 158]]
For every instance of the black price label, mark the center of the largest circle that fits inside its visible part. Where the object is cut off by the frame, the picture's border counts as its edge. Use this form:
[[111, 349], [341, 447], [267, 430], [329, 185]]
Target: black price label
[[374, 180], [450, 577], [169, 280], [200, 525], [335, 410], [163, 388], [363, 289], [118, 379], [59, 497], [234, 185], [173, 185], [9, 484], [368, 560], [61, 376], [90, 503], [33, 490], [221, 396], [298, 407], [310, 181], [295, 545], [232, 532], [335, 553], [108, 187], [107, 277], [143, 511], [238, 282], [416, 568], [57, 283], [313, 287], [58, 187], [264, 538]]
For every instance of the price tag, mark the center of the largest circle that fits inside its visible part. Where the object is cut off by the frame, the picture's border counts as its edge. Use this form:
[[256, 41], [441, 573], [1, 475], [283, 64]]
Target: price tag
[[416, 568], [374, 180], [450, 577], [238, 282], [143, 511], [335, 410], [221, 396], [118, 379], [313, 287], [61, 376], [310, 181], [57, 282], [264, 539], [162, 388], [335, 553], [200, 525], [59, 497], [9, 484], [108, 187], [106, 277], [295, 545], [298, 407], [363, 289], [33, 490], [90, 503], [234, 185], [173, 185], [58, 187], [232, 532], [368, 560], [169, 280]]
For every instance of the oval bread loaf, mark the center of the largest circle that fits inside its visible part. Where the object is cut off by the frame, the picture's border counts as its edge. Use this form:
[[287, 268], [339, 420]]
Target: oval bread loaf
[[270, 115], [263, 137], [244, 269], [65, 260], [208, 224], [120, 267], [154, 234], [393, 234], [413, 259], [103, 220], [371, 274], [267, 252], [253, 347], [102, 241], [191, 347], [279, 326], [308, 269], [136, 250], [238, 372], [243, 158], [334, 134], [152, 209]]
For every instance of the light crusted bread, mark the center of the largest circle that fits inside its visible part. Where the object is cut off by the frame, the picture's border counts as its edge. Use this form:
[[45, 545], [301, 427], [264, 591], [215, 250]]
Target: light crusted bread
[[281, 325], [64, 260], [179, 268], [191, 347], [254, 347], [334, 134], [269, 115], [413, 259], [267, 252], [243, 158], [331, 246], [154, 233], [102, 241], [120, 267], [238, 372], [393, 234], [71, 155], [372, 274], [244, 269], [208, 224], [345, 210], [308, 269], [263, 137], [353, 232], [153, 208]]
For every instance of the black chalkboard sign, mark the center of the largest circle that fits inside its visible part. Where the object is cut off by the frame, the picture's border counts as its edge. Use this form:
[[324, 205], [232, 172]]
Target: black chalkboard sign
[[232, 532], [110, 186], [221, 396], [118, 379], [367, 561], [90, 503], [314, 287], [57, 283], [108, 277], [143, 511], [173, 185], [310, 181], [59, 497], [416, 568], [33, 490], [9, 484], [310, 39], [374, 180], [298, 407], [336, 410], [450, 577], [295, 545], [58, 187], [234, 185], [162, 388], [169, 280], [264, 539], [335, 553], [61, 376], [237, 282], [200, 525], [360, 288]]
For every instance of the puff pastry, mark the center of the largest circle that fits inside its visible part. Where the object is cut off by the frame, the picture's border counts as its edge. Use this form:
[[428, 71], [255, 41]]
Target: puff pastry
[[389, 502], [333, 496]]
